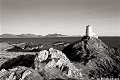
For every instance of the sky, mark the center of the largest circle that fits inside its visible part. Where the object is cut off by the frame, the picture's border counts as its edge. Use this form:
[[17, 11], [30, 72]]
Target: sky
[[68, 17]]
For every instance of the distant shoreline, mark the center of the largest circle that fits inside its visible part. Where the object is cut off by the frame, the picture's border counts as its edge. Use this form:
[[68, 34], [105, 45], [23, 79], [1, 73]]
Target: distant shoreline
[[53, 37]]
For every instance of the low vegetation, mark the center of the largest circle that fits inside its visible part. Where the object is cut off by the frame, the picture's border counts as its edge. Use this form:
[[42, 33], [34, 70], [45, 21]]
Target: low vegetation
[[97, 59]]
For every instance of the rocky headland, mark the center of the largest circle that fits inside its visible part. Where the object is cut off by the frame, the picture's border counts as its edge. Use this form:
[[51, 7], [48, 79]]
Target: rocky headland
[[86, 59]]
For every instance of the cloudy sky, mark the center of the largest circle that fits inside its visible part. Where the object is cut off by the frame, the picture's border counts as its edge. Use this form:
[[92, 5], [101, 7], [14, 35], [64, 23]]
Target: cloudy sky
[[67, 17]]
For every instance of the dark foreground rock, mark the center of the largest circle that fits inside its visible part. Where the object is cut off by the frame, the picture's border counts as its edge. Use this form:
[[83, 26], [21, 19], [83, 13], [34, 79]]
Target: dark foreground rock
[[22, 60], [96, 58]]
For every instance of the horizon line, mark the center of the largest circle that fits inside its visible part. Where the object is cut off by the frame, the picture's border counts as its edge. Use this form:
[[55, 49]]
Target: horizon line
[[57, 33]]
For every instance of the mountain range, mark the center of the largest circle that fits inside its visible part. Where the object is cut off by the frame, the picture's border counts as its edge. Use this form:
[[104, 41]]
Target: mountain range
[[31, 35]]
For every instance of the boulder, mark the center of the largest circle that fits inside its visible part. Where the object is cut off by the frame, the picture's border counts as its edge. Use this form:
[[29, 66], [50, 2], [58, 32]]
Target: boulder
[[56, 65], [43, 55]]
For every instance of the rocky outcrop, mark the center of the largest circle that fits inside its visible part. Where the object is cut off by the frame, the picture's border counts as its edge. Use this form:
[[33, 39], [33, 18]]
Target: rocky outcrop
[[87, 59], [49, 64], [20, 73], [95, 58], [56, 65], [25, 47], [83, 49]]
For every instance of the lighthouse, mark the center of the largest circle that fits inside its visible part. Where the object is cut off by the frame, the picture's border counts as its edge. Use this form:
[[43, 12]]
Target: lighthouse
[[89, 32]]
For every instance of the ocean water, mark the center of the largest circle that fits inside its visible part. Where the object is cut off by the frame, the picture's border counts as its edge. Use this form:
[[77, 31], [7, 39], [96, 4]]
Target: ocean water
[[110, 41]]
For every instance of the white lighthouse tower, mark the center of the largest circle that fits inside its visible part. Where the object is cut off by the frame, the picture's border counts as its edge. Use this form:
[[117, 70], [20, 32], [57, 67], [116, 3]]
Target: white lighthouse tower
[[89, 32]]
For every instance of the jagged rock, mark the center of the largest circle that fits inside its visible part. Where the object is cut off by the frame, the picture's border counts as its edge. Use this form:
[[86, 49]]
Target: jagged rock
[[56, 65], [31, 75], [3, 74], [63, 62], [11, 76], [43, 55], [20, 73], [26, 73], [95, 57]]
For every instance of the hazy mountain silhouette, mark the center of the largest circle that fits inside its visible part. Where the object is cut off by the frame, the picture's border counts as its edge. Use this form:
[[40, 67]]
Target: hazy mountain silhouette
[[55, 35], [8, 36], [30, 35]]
